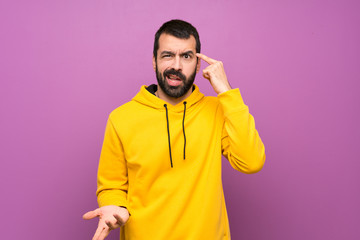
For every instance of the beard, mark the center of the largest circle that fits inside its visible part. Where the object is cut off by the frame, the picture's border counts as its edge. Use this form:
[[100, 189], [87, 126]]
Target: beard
[[175, 91]]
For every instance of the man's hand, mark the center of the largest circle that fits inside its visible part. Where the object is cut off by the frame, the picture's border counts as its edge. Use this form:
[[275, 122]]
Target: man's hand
[[110, 217], [215, 73]]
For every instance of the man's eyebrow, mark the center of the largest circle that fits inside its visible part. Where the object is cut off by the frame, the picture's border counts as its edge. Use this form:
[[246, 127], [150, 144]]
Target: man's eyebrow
[[167, 52], [187, 53]]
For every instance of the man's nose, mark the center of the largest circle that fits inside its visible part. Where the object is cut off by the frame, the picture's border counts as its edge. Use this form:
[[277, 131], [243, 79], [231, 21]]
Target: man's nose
[[177, 65]]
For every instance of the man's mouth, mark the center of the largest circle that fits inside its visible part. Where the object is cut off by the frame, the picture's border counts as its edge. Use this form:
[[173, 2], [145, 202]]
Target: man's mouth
[[173, 80]]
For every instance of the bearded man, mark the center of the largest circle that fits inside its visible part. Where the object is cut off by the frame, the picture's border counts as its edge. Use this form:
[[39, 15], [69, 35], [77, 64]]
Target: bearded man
[[159, 173]]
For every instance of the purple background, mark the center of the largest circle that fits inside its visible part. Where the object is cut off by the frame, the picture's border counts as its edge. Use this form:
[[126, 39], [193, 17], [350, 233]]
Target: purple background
[[64, 65]]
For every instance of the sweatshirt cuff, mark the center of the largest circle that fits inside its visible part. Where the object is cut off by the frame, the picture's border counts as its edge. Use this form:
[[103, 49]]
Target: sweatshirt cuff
[[117, 198], [231, 101]]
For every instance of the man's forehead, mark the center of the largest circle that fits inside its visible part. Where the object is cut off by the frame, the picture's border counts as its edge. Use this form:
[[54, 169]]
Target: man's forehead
[[168, 42]]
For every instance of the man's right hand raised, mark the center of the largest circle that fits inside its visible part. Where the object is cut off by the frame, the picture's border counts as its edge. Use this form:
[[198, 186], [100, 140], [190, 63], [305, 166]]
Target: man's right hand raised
[[110, 217]]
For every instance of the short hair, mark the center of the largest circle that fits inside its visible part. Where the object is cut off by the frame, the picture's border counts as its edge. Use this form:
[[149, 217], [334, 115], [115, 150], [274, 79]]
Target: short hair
[[177, 28]]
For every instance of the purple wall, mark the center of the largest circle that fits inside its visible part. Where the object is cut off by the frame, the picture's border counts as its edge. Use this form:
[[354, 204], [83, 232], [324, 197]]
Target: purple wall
[[64, 65]]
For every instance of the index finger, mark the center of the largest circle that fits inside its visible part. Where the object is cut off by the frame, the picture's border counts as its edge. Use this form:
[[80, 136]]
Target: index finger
[[98, 232], [104, 234], [206, 58]]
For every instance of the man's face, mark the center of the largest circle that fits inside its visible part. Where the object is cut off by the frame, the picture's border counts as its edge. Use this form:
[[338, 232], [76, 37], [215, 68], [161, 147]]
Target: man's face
[[176, 65]]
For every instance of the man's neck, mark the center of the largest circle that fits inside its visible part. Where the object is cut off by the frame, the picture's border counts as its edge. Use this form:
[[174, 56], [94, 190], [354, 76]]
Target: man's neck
[[173, 101]]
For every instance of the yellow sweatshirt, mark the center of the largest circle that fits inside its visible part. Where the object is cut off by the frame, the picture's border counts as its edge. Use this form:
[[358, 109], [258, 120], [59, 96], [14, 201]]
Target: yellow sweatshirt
[[142, 165]]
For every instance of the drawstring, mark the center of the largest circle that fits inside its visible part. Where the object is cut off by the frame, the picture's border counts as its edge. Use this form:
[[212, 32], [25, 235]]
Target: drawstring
[[167, 120], [168, 130], [184, 128]]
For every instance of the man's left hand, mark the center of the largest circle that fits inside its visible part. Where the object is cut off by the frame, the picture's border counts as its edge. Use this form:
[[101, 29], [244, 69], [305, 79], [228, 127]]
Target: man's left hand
[[215, 73]]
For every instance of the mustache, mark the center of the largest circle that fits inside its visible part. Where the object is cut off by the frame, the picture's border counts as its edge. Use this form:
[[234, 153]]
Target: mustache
[[174, 72]]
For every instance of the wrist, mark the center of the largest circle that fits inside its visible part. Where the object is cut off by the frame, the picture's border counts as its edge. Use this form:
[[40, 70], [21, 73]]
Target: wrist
[[223, 89]]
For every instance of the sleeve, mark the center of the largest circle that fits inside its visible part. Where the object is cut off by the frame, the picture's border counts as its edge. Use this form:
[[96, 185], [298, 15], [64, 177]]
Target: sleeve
[[112, 183], [241, 143]]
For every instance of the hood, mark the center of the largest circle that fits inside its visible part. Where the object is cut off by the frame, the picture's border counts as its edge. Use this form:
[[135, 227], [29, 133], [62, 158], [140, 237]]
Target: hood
[[147, 98]]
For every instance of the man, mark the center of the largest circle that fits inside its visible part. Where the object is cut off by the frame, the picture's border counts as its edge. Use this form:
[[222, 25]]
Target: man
[[159, 173]]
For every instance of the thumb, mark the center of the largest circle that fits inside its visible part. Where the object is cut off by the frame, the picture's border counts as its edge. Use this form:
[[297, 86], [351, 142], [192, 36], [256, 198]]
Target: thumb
[[92, 214]]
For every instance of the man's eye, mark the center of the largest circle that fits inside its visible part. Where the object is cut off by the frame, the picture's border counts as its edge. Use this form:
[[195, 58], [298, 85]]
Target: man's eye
[[186, 56], [167, 55]]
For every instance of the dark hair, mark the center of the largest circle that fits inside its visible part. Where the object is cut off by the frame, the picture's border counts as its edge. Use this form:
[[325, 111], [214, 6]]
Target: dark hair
[[177, 28]]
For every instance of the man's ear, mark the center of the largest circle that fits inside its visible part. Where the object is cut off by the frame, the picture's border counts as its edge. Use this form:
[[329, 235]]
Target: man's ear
[[154, 63], [198, 64]]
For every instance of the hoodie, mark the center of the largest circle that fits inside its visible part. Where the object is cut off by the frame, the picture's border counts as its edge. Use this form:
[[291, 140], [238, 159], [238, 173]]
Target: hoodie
[[163, 163]]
